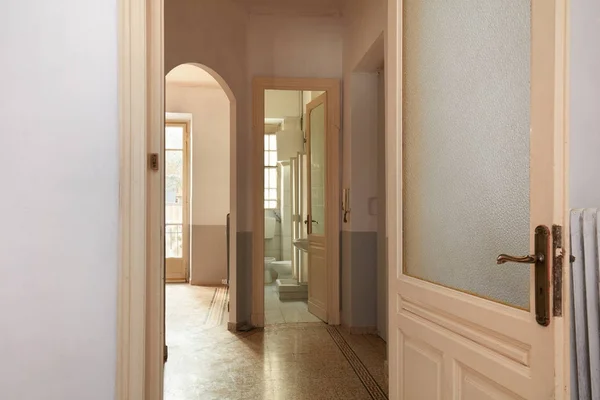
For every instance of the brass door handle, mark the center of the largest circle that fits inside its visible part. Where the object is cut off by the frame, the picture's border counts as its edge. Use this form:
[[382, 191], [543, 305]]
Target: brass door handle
[[530, 259], [541, 271]]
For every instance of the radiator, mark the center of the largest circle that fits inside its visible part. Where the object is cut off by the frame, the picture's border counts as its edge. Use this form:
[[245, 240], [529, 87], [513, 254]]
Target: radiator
[[585, 305]]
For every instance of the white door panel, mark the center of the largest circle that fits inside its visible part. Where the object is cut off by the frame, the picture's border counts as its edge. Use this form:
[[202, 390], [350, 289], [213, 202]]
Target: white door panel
[[318, 279], [478, 167]]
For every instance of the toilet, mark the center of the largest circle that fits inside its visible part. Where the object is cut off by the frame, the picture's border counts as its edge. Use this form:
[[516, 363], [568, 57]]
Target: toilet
[[283, 269], [269, 270]]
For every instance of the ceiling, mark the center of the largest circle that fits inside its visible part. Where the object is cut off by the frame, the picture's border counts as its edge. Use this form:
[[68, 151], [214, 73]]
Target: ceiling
[[190, 75], [294, 7]]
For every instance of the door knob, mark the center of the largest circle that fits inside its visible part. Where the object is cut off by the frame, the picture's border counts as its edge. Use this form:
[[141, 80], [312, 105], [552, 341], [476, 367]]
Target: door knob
[[530, 259]]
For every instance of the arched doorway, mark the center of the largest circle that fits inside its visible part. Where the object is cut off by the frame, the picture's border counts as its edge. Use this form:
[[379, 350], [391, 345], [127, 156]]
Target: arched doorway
[[200, 214]]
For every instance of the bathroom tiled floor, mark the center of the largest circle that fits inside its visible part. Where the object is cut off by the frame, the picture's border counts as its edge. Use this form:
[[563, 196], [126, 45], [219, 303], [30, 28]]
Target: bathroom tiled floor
[[293, 361], [284, 312]]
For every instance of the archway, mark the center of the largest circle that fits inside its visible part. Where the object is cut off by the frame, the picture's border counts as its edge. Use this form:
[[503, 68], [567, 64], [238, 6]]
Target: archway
[[198, 96]]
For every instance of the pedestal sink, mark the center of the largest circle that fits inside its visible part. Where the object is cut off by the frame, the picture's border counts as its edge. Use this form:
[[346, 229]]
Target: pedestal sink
[[301, 244]]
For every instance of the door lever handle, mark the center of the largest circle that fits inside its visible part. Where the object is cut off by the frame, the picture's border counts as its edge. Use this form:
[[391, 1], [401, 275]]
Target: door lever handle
[[540, 258], [530, 259]]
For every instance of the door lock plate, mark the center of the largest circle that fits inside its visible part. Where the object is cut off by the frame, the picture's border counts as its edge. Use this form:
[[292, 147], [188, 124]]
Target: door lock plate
[[542, 275]]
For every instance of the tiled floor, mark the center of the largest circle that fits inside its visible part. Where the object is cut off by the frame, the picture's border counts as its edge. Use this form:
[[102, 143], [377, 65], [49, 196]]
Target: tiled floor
[[284, 312], [292, 361]]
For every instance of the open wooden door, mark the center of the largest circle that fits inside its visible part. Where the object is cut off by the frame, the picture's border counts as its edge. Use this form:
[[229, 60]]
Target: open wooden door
[[316, 133], [482, 174], [176, 203]]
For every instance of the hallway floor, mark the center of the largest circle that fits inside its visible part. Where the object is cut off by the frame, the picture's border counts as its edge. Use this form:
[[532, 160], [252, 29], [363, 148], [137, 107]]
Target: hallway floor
[[287, 361], [284, 312]]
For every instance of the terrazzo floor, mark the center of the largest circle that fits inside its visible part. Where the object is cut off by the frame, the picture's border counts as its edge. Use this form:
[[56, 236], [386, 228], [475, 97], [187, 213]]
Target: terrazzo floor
[[284, 312], [292, 361]]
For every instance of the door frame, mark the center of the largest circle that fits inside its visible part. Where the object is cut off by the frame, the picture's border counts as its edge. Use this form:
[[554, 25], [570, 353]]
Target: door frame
[[393, 77], [333, 182]]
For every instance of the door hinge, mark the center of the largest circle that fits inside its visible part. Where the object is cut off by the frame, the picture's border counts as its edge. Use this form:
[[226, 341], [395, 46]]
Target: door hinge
[[153, 161], [557, 270]]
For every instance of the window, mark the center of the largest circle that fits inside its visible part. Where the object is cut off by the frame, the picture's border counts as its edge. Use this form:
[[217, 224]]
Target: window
[[175, 158], [270, 171]]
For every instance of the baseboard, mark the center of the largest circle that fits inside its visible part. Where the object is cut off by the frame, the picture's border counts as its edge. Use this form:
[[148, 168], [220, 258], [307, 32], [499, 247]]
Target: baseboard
[[258, 320], [209, 283], [235, 326], [362, 330]]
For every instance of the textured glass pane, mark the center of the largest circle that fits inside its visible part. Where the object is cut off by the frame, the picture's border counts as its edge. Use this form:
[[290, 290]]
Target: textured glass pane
[[267, 143], [173, 241], [174, 137], [272, 142], [174, 214], [466, 144], [317, 169], [273, 158], [173, 177]]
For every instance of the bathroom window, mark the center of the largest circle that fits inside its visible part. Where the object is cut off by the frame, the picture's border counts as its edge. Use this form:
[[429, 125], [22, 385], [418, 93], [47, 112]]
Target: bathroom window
[[270, 171]]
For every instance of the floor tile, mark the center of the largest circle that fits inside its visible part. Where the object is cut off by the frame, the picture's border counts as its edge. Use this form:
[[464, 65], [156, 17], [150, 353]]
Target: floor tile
[[290, 359]]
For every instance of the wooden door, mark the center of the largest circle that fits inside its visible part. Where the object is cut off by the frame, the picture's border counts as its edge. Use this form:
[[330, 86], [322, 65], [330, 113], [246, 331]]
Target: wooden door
[[480, 173], [316, 132]]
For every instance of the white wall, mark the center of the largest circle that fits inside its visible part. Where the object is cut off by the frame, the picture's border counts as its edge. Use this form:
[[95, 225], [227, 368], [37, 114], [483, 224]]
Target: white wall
[[283, 103], [294, 46], [364, 25], [209, 107], [210, 180], [363, 239], [585, 104], [191, 27], [59, 154]]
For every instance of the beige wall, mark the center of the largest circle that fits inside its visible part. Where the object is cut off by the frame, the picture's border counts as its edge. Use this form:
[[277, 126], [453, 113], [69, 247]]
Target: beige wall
[[364, 31], [363, 239], [209, 151], [191, 27], [294, 46]]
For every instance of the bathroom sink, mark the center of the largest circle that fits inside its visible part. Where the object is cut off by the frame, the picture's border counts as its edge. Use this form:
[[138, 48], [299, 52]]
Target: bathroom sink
[[301, 244]]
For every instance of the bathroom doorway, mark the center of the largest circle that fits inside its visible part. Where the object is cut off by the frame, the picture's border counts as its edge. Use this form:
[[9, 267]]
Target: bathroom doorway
[[286, 203], [296, 273]]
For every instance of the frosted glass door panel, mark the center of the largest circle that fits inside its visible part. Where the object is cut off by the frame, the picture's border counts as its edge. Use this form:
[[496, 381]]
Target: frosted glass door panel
[[317, 169], [466, 107]]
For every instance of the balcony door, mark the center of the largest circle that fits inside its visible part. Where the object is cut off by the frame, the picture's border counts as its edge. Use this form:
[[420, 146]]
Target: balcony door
[[176, 202]]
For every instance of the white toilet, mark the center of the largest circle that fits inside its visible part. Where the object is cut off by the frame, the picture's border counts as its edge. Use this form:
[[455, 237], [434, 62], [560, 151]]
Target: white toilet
[[269, 269], [283, 269]]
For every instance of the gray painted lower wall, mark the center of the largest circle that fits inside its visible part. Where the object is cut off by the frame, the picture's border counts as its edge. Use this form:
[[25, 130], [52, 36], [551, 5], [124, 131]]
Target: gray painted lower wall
[[359, 279], [244, 277], [209, 254]]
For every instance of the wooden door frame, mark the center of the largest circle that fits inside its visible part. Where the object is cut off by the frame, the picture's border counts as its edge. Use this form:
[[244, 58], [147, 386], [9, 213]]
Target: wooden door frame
[[393, 76], [140, 321], [186, 226], [333, 182]]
